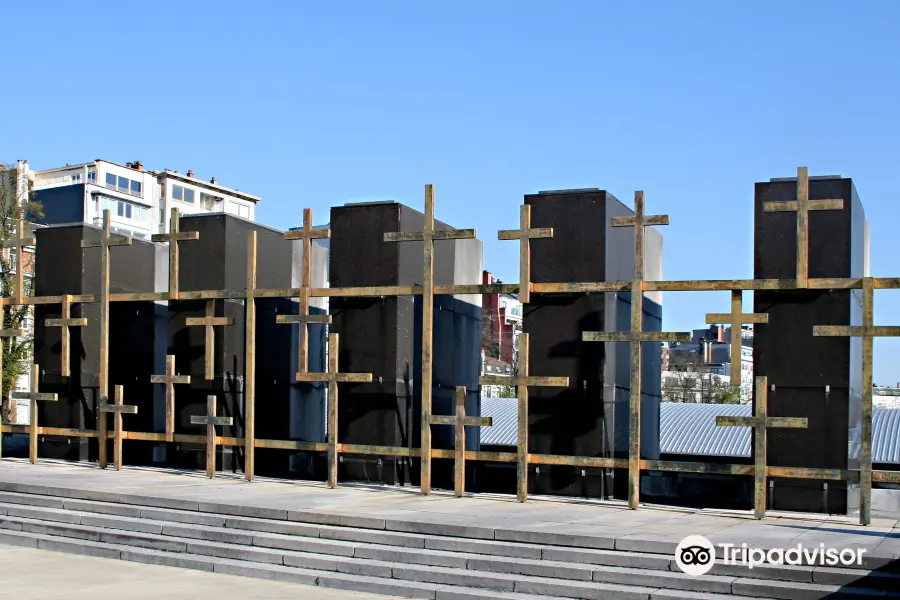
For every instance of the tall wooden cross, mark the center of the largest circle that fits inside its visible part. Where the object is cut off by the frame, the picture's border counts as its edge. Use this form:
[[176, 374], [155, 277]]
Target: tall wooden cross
[[209, 321], [333, 377], [525, 234], [170, 379], [173, 237], [250, 362], [19, 243], [522, 381], [307, 234], [64, 322], [428, 236], [802, 205], [460, 421], [736, 318], [35, 396], [635, 336], [760, 422], [211, 420], [106, 241], [6, 333], [117, 409], [868, 332]]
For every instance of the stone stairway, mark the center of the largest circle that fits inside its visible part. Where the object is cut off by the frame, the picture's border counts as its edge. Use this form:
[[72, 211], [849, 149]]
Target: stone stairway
[[432, 564]]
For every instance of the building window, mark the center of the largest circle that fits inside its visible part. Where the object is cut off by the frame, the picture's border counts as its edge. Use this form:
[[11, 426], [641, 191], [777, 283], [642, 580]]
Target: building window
[[111, 181], [123, 184], [182, 193], [125, 210], [92, 175], [208, 201], [135, 188], [76, 177]]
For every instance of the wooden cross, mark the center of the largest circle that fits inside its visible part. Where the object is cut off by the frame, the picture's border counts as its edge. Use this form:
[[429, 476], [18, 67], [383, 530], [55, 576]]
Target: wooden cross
[[19, 243], [868, 332], [525, 234], [34, 395], [209, 321], [333, 377], [736, 318], [106, 241], [65, 321], [802, 205], [117, 409], [250, 362], [428, 236], [635, 336], [170, 379], [522, 381], [760, 422], [211, 420], [307, 234], [6, 333], [173, 237], [460, 421]]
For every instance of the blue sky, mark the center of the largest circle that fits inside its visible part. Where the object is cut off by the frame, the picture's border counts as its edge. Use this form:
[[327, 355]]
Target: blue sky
[[312, 104]]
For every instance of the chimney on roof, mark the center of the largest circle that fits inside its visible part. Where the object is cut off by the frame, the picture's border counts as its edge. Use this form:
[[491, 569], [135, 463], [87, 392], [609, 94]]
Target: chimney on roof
[[136, 165], [190, 173], [213, 181]]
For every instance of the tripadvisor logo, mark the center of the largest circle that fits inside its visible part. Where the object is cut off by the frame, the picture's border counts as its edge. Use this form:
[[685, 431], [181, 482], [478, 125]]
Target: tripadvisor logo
[[696, 555]]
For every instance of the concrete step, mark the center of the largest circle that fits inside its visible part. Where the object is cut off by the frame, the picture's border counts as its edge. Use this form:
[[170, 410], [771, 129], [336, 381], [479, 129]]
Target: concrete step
[[606, 582], [612, 566]]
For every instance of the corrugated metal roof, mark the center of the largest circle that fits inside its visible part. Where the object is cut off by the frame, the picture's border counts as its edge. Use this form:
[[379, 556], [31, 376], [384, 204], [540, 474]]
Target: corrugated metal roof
[[687, 428], [505, 429]]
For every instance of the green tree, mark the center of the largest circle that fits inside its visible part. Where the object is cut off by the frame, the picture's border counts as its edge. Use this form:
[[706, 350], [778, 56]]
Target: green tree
[[15, 203]]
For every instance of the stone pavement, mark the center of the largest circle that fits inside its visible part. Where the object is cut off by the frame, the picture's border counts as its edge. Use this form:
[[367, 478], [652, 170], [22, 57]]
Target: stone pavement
[[30, 574], [542, 520]]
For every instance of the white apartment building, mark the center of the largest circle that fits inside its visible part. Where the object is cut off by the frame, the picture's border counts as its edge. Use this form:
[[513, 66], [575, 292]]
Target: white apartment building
[[139, 200]]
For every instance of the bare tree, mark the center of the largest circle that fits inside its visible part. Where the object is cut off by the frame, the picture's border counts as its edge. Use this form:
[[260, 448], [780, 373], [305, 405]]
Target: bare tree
[[15, 203], [691, 380]]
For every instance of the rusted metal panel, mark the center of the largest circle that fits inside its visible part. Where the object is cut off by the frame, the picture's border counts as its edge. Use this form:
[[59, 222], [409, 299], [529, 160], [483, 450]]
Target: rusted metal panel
[[65, 322], [209, 321]]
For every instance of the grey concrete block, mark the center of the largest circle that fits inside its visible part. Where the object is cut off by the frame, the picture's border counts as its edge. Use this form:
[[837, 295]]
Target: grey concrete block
[[791, 590], [372, 536], [83, 547], [23, 488], [209, 534], [464, 593], [664, 579], [378, 585], [536, 568], [241, 510], [555, 539], [321, 518], [271, 526], [271, 572], [648, 545], [142, 540], [483, 547], [182, 516], [441, 575], [612, 558], [683, 595], [168, 559], [301, 544], [103, 508], [159, 502], [235, 552], [339, 564], [876, 579], [13, 538], [44, 514], [581, 589], [123, 523], [30, 500], [83, 494], [418, 556], [13, 525], [60, 529], [780, 572], [447, 529]]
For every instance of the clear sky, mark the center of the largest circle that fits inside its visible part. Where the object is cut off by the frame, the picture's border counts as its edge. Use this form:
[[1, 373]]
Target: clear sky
[[313, 104]]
